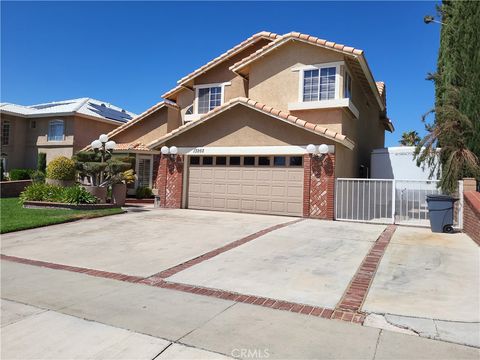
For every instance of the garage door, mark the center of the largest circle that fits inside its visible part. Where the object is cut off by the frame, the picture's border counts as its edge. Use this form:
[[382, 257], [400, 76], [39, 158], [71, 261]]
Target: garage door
[[254, 184]]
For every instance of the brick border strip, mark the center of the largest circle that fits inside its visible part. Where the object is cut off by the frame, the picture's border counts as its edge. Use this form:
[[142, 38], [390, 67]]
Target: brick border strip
[[75, 269], [356, 293], [183, 266], [202, 291]]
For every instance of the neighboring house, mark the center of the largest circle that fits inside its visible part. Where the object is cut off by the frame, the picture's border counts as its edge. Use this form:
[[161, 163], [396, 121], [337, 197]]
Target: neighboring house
[[242, 122], [398, 162], [56, 128]]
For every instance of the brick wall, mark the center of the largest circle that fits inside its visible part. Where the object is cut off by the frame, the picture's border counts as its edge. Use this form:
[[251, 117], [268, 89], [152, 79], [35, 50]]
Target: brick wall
[[13, 188], [168, 181], [471, 215], [319, 183]]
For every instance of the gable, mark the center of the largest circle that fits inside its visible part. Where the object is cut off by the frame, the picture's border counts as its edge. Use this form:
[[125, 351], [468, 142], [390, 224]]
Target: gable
[[149, 128], [244, 126]]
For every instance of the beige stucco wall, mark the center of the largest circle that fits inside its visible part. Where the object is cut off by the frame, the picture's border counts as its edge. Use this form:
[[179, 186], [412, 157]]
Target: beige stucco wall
[[16, 148], [150, 128], [29, 136], [271, 79], [220, 74], [242, 126], [87, 130]]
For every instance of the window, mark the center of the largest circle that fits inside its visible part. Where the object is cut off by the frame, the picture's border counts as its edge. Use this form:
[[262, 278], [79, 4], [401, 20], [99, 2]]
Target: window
[[263, 161], [234, 160], [319, 84], [249, 160], [189, 110], [55, 130], [33, 124], [209, 98], [279, 161], [143, 172], [207, 160], [194, 160], [296, 161], [221, 160], [5, 132], [347, 86]]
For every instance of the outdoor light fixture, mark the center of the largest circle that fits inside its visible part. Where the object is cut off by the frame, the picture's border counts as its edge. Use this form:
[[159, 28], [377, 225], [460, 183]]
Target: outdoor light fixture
[[172, 150], [96, 144], [110, 145], [103, 138], [429, 19], [104, 146], [320, 150]]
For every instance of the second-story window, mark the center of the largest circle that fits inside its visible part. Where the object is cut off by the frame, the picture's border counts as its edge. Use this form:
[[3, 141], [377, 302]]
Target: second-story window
[[319, 84], [209, 98], [56, 130], [5, 132], [347, 89]]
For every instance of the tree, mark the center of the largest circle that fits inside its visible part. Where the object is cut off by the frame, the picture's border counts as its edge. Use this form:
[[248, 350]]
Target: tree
[[409, 138], [454, 135]]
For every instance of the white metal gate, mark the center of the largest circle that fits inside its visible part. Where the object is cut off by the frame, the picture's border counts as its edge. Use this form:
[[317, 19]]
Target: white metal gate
[[389, 201]]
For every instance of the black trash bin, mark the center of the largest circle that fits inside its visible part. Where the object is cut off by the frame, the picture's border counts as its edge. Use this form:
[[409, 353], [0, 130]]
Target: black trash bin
[[440, 210]]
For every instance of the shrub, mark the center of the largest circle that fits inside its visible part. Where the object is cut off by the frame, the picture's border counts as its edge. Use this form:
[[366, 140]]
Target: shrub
[[143, 192], [42, 192], [61, 168], [2, 171], [38, 176], [42, 162], [68, 195], [20, 174], [77, 195]]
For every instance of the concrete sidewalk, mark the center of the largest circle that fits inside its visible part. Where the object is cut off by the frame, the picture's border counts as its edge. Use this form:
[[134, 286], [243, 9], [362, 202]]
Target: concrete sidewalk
[[210, 324]]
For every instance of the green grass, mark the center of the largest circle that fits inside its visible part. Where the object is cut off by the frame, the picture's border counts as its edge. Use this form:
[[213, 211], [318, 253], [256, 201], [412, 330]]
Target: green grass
[[14, 217]]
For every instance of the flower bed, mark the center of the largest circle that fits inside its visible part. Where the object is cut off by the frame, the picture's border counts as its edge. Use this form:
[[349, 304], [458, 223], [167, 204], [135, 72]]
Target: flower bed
[[59, 205]]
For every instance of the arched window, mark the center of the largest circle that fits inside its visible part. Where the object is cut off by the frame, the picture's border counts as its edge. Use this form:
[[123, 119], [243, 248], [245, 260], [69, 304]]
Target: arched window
[[56, 130]]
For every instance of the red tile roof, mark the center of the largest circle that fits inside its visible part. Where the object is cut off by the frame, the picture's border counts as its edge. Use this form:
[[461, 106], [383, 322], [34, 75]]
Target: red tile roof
[[132, 146], [139, 118], [236, 49], [279, 114], [296, 35]]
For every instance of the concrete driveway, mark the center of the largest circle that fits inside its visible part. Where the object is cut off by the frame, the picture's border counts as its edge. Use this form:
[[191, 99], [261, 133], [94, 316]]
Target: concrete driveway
[[311, 262], [139, 244], [424, 281]]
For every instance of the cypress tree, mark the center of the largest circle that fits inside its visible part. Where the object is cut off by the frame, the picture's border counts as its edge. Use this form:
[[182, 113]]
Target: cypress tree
[[454, 135]]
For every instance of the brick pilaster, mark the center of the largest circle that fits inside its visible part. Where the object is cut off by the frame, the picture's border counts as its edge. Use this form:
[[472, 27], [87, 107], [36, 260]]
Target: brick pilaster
[[322, 187], [307, 170], [169, 180]]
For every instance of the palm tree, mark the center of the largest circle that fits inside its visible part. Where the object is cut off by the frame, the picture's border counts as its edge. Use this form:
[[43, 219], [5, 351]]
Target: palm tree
[[409, 138], [445, 148]]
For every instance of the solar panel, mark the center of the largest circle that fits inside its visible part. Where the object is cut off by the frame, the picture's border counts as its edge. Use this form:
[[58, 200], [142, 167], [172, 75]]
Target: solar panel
[[109, 113]]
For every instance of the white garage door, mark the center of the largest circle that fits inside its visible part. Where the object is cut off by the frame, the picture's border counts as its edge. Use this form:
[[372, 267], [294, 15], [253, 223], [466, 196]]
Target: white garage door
[[254, 184]]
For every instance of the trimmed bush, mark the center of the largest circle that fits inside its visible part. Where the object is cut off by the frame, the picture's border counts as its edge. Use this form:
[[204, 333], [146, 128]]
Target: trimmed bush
[[61, 168], [68, 195], [42, 162], [143, 192], [38, 176], [20, 174]]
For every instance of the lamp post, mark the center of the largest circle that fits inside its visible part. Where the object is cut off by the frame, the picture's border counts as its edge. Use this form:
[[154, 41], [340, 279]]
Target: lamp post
[[105, 147]]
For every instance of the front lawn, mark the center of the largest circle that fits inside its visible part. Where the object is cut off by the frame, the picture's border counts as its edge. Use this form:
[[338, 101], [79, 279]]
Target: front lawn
[[14, 217]]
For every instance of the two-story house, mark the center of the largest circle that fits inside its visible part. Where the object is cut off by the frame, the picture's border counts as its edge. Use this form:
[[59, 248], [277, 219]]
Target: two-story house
[[56, 128], [263, 128]]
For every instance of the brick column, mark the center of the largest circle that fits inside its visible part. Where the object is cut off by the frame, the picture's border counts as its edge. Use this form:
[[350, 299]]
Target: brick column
[[320, 173], [169, 180], [307, 170]]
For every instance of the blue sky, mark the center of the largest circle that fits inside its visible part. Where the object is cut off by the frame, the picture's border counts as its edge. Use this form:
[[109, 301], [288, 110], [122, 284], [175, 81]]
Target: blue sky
[[130, 53]]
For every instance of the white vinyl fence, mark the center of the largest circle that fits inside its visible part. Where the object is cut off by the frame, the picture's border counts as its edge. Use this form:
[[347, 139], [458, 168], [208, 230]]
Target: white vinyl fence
[[388, 201]]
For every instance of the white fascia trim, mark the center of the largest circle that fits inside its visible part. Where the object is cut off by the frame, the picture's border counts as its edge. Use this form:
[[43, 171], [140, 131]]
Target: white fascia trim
[[192, 117], [318, 66], [248, 150], [132, 151], [325, 104]]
